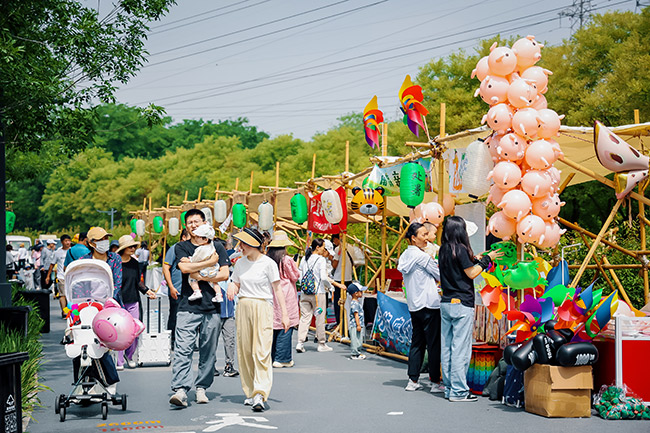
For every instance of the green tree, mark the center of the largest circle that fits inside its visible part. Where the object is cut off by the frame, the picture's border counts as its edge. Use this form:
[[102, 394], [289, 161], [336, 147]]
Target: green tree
[[56, 58]]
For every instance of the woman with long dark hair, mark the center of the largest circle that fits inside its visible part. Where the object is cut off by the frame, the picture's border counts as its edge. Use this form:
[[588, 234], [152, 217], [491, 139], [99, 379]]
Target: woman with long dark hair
[[458, 269], [420, 272]]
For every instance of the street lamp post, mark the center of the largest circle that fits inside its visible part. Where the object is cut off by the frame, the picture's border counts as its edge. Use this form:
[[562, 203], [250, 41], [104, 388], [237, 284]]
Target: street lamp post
[[111, 213]]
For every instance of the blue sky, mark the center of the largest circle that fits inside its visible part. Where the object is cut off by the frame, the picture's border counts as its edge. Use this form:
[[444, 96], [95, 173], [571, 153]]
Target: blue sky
[[294, 67]]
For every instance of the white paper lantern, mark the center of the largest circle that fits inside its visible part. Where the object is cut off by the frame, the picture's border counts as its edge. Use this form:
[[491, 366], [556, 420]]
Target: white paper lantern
[[479, 165], [331, 205], [173, 226], [139, 227], [208, 214], [220, 211], [265, 212]]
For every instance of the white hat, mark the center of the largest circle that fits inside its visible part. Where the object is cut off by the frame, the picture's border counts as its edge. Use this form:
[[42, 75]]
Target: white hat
[[329, 246], [50, 241], [204, 231]]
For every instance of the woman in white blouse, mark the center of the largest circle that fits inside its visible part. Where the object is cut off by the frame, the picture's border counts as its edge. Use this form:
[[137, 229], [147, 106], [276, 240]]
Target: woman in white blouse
[[255, 279]]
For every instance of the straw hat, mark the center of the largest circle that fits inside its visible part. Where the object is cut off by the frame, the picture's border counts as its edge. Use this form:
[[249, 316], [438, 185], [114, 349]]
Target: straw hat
[[127, 241], [281, 239], [249, 237], [97, 233]]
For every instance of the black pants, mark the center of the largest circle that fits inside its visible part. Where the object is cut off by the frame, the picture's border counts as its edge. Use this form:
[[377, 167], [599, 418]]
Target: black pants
[[337, 297], [44, 285], [426, 335], [171, 320], [102, 369]]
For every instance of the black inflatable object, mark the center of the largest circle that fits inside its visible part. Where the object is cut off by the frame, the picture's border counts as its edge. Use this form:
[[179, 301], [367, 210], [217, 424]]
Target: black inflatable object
[[550, 325], [574, 354], [544, 349], [557, 338], [566, 333], [524, 357], [509, 350]]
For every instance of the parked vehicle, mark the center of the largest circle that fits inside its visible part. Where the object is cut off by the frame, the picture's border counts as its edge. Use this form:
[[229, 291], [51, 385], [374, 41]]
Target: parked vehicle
[[45, 238], [15, 242]]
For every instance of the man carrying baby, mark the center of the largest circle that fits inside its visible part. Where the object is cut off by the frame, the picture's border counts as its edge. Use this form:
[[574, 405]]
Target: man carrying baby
[[196, 317]]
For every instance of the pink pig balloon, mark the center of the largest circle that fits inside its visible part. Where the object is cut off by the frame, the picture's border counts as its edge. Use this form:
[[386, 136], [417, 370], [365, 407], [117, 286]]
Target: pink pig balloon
[[493, 90], [548, 208], [433, 213], [511, 147], [501, 226], [499, 118], [492, 143], [521, 93], [540, 103], [495, 195], [115, 327], [536, 184], [539, 76], [549, 125], [515, 204], [556, 148], [540, 155], [556, 176], [415, 214], [531, 229], [528, 52], [552, 235], [525, 122], [502, 61], [482, 69], [506, 175]]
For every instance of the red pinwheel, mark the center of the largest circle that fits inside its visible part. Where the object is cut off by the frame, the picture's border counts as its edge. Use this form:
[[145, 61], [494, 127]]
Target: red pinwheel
[[372, 117], [532, 314], [410, 96]]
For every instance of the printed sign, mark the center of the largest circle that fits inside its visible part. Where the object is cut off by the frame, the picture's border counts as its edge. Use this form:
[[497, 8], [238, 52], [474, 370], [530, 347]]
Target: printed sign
[[389, 177], [392, 328], [457, 165], [317, 222]]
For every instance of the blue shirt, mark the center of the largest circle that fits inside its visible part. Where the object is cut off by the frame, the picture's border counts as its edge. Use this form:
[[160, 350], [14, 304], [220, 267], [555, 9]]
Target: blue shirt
[[74, 253], [355, 307], [174, 272], [227, 307]]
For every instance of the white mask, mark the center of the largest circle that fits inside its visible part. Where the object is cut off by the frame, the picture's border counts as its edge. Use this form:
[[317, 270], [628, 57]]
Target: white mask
[[102, 246]]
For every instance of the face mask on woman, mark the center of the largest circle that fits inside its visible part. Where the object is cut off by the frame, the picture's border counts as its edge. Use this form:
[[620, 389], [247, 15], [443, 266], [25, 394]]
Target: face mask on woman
[[102, 246]]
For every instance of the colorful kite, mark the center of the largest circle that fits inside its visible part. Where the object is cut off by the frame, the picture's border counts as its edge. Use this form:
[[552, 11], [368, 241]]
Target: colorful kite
[[372, 117], [410, 96]]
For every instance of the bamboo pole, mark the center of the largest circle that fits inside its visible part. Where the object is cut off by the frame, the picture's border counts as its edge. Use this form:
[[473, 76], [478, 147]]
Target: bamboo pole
[[185, 196], [441, 164], [313, 166], [144, 204], [237, 184], [577, 228], [365, 251], [598, 264], [198, 200], [592, 250], [566, 182], [384, 139], [642, 218], [275, 193], [384, 221], [636, 117], [250, 188], [150, 229], [621, 290], [383, 259], [216, 193], [608, 267]]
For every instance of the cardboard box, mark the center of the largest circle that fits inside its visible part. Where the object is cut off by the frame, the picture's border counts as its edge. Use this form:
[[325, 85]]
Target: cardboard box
[[562, 392]]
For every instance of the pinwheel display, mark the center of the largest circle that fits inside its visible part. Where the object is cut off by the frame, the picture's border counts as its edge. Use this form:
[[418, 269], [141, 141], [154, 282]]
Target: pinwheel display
[[532, 315], [410, 97], [372, 117], [598, 320]]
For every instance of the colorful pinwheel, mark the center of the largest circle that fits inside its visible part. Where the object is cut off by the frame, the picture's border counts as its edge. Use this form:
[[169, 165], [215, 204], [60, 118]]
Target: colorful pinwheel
[[410, 96], [533, 314], [598, 320], [372, 117]]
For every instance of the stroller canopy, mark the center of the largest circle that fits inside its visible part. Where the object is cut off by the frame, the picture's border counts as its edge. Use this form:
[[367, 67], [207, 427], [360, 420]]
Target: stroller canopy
[[87, 279]]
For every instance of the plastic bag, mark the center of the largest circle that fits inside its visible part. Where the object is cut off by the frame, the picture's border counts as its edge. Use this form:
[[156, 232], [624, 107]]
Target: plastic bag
[[612, 402]]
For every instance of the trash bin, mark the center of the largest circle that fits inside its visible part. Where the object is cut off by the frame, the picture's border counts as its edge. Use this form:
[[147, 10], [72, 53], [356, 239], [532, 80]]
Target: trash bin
[[42, 299], [15, 318], [11, 413]]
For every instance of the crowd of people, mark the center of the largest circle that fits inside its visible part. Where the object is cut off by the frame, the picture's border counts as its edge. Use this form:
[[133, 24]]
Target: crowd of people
[[248, 296]]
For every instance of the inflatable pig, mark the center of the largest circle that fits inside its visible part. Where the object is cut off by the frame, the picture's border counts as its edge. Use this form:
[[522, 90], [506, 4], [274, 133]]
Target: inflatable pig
[[115, 327]]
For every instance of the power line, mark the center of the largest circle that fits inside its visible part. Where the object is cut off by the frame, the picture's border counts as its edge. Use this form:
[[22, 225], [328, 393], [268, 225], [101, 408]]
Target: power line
[[578, 12], [202, 14]]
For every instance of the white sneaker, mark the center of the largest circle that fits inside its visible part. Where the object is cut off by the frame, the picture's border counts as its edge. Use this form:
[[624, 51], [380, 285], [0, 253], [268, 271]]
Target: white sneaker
[[300, 348], [179, 398], [248, 402], [277, 364], [258, 403], [131, 363], [412, 386], [201, 398], [322, 347], [119, 367], [437, 388], [195, 296], [217, 299]]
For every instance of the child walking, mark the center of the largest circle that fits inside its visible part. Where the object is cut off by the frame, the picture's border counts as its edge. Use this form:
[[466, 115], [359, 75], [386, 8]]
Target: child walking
[[356, 323], [205, 235]]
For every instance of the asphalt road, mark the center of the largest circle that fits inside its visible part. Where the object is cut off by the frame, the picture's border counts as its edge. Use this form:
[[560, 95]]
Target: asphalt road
[[324, 392]]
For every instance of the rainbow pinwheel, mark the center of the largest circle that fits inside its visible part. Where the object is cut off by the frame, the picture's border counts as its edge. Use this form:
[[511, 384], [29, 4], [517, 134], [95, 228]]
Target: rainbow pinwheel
[[598, 320], [372, 117], [532, 315], [410, 96]]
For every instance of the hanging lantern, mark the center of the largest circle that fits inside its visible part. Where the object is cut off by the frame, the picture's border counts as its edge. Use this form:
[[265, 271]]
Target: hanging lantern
[[331, 204], [479, 165], [208, 214], [158, 224], [183, 219], [412, 184], [139, 227], [220, 211], [265, 212], [239, 215], [367, 201], [10, 221], [132, 224], [298, 208], [173, 226]]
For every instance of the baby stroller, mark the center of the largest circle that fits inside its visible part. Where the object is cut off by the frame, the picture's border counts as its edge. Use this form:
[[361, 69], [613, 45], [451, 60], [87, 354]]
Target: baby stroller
[[88, 283]]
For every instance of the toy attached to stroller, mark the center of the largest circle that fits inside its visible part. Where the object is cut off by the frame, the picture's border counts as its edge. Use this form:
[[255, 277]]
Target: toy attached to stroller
[[88, 285]]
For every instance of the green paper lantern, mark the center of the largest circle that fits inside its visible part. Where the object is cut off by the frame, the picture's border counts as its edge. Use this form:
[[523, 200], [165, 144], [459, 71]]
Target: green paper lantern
[[183, 219], [132, 224], [412, 184], [158, 224], [299, 208], [239, 215], [10, 221]]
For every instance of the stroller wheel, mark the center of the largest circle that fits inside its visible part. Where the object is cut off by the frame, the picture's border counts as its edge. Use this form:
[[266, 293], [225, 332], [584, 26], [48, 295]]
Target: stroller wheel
[[123, 402], [57, 404], [104, 410], [62, 414]]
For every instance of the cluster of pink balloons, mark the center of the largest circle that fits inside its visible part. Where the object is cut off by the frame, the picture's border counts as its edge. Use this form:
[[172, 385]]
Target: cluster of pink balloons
[[522, 145], [433, 212]]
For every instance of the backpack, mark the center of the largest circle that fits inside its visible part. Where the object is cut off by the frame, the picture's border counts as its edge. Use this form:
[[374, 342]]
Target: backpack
[[308, 281]]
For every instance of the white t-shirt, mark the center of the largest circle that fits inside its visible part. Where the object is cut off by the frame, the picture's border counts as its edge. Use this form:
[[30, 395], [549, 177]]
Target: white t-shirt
[[255, 278], [348, 264], [142, 255], [59, 259], [318, 266], [22, 253]]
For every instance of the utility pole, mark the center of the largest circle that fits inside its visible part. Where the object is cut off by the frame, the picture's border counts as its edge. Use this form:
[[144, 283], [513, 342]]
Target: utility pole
[[578, 13], [5, 287], [111, 213]]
